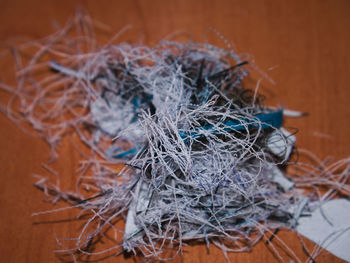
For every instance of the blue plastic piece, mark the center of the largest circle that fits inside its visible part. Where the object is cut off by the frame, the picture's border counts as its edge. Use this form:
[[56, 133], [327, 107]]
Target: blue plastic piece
[[270, 120], [128, 153], [265, 121]]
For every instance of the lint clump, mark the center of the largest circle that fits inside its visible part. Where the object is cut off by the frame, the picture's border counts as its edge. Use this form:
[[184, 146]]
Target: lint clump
[[203, 159]]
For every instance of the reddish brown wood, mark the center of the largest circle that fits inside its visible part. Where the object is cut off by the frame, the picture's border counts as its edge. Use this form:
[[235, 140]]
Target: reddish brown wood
[[307, 43]]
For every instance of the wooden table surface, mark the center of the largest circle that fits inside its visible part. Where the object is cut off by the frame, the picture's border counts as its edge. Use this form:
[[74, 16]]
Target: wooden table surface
[[303, 45]]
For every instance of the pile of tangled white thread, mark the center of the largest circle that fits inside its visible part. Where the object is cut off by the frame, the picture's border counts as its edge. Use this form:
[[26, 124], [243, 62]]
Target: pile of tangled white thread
[[203, 158]]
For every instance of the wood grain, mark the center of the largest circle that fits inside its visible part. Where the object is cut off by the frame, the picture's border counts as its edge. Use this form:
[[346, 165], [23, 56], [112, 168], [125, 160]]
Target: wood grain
[[305, 42]]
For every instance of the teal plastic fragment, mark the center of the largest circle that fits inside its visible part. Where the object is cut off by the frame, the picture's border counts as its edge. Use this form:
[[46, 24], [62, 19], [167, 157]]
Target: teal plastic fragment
[[269, 120], [125, 154], [273, 119]]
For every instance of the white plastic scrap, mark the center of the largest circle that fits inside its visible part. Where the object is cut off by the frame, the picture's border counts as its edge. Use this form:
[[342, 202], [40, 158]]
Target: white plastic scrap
[[278, 177], [139, 204], [281, 143], [330, 228]]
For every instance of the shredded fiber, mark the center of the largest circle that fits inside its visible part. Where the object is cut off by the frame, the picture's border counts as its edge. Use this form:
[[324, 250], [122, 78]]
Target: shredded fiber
[[203, 158]]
